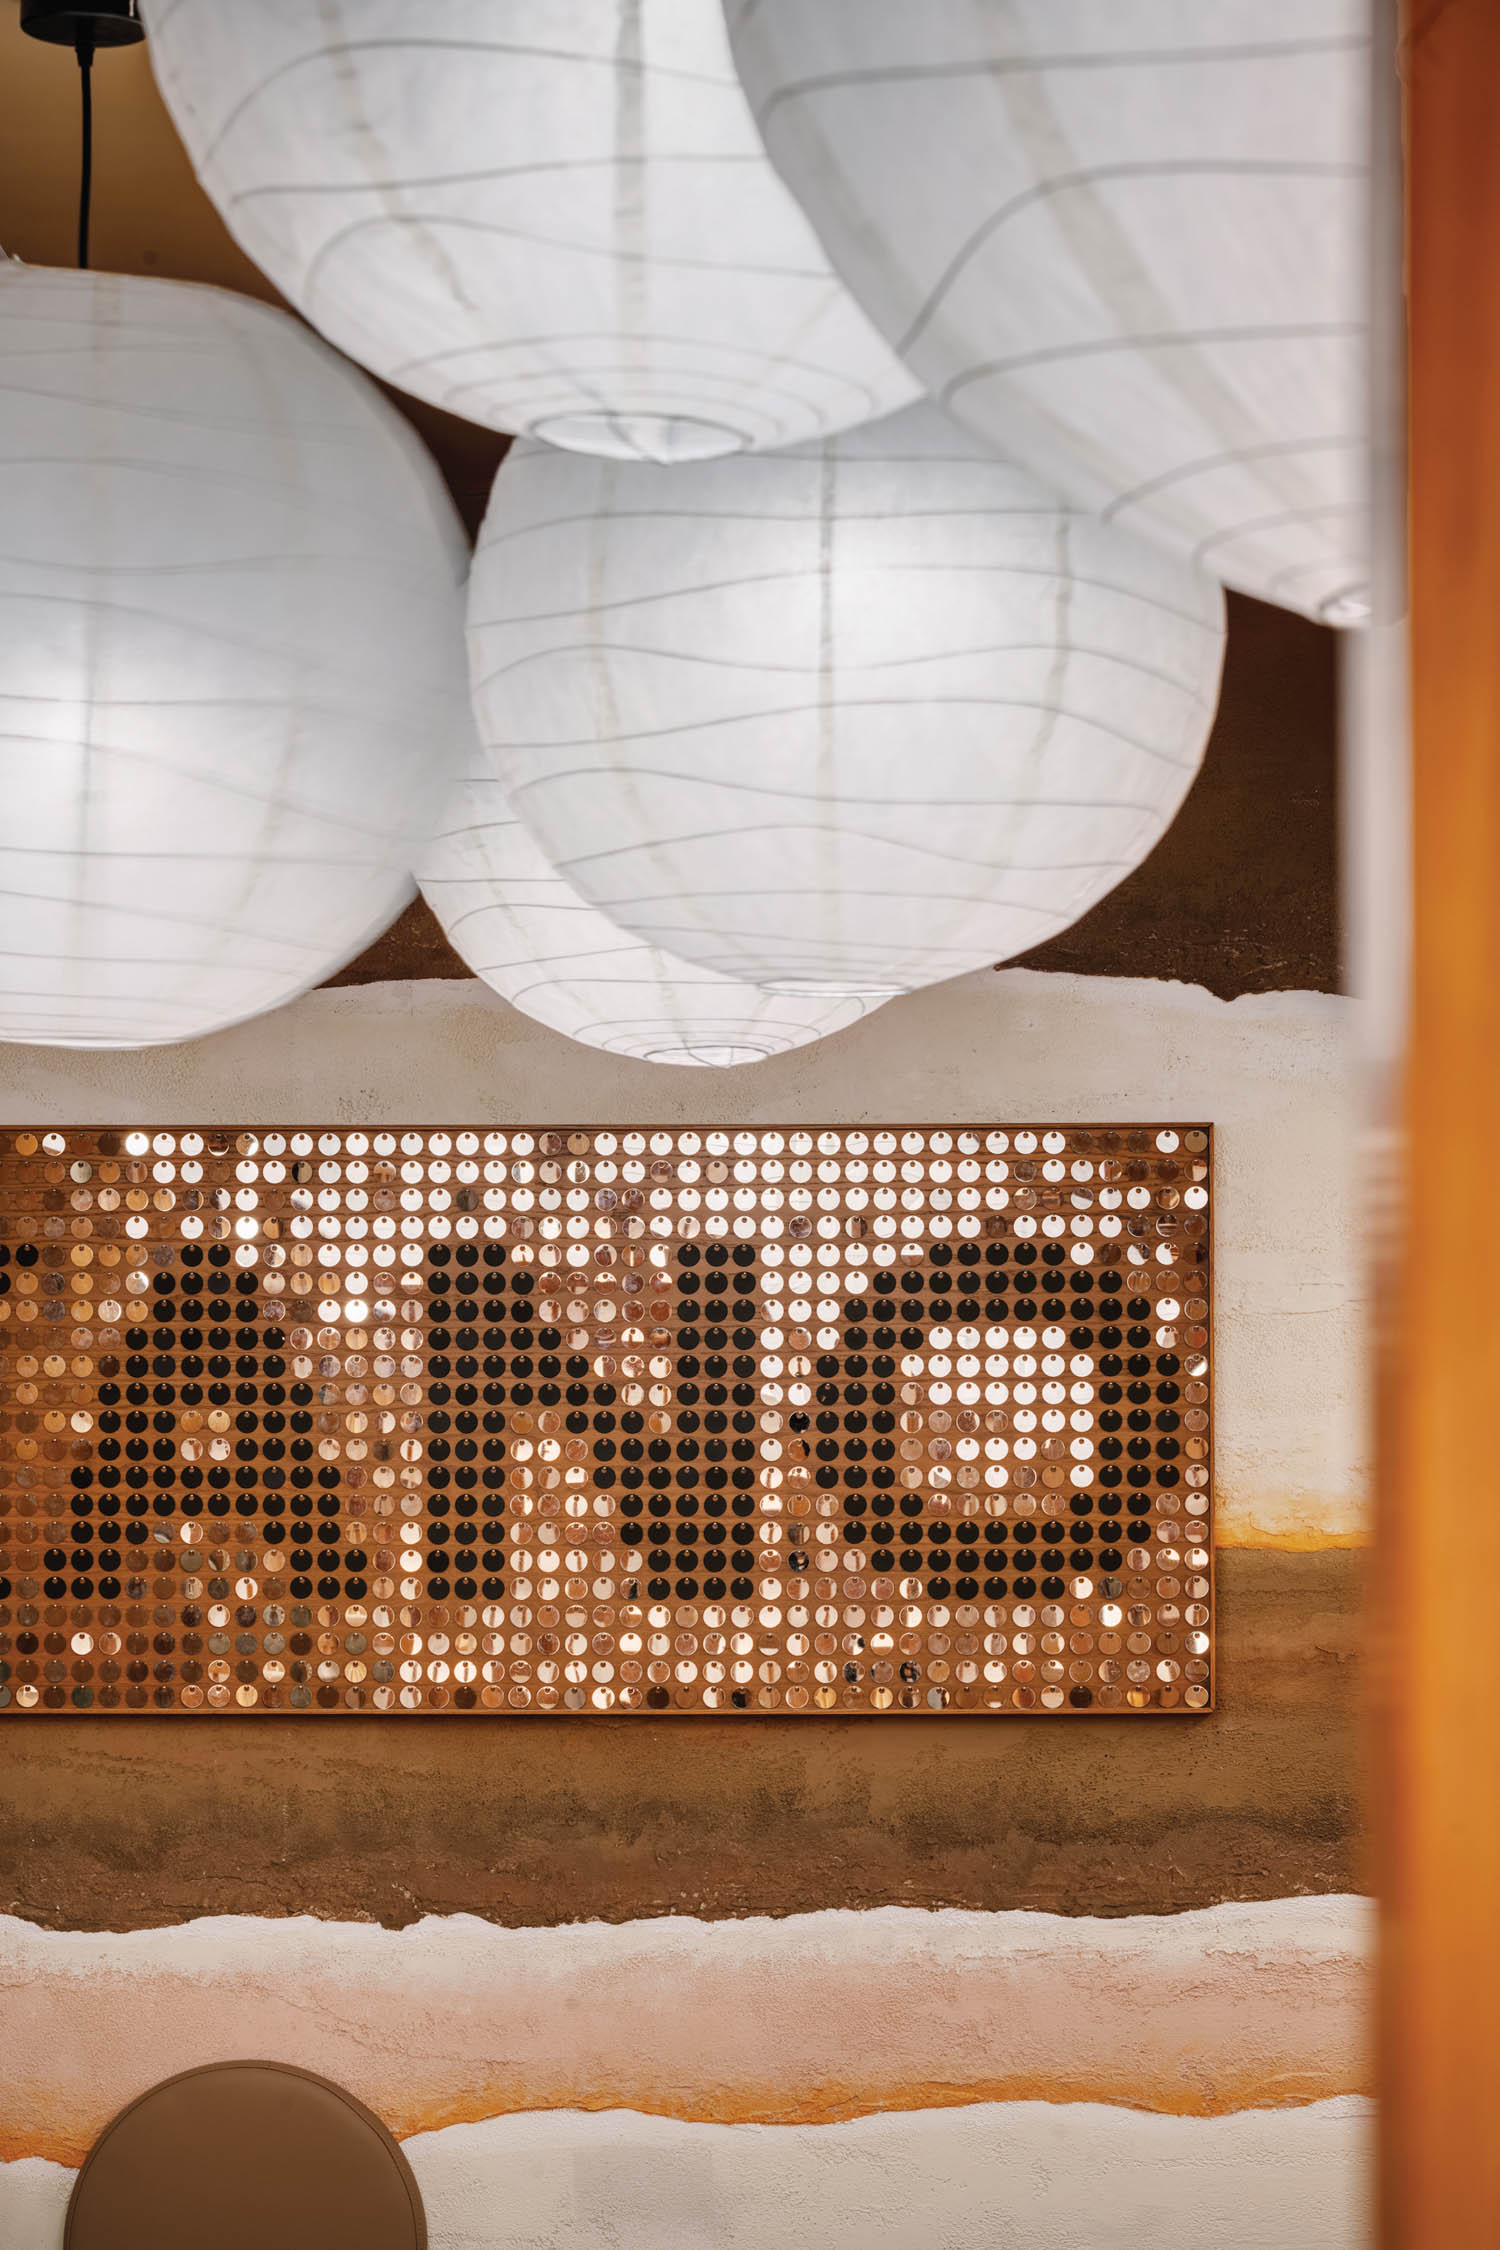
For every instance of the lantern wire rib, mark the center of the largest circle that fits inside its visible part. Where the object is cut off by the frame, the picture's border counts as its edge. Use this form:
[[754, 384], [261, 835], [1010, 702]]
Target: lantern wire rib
[[83, 48]]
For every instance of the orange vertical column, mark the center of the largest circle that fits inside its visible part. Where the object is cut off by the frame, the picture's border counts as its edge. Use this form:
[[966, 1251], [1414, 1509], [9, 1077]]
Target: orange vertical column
[[1437, 1773]]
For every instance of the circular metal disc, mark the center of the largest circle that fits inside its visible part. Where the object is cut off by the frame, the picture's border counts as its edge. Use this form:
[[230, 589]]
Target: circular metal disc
[[244, 2154]]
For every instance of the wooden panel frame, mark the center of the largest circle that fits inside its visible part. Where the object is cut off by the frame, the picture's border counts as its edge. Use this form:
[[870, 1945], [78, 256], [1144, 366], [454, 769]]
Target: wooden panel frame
[[1435, 1766]]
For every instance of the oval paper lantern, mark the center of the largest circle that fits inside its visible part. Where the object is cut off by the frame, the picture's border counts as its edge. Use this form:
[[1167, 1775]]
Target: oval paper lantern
[[231, 663], [850, 718], [1124, 240], [560, 961], [552, 216]]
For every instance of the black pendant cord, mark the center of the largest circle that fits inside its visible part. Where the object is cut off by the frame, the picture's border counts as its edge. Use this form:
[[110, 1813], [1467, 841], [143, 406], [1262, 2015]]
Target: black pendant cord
[[83, 47], [85, 26]]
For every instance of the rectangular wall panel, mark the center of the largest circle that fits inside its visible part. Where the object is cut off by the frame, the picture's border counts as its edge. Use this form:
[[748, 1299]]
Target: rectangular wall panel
[[863, 1420]]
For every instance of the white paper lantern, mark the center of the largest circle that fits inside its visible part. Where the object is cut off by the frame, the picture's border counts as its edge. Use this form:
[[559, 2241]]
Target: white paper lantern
[[1124, 240], [560, 961], [551, 216], [231, 663], [854, 717]]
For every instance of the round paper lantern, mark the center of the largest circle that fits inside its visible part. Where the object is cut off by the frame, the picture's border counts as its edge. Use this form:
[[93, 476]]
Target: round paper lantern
[[1124, 240], [850, 718], [554, 216], [560, 961], [231, 658]]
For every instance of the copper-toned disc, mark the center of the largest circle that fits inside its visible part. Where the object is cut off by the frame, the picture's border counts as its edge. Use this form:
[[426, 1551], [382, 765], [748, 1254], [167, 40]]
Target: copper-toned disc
[[245, 2155]]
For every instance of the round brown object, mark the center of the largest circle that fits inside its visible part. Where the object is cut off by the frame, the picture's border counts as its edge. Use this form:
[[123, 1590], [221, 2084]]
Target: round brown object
[[246, 2154]]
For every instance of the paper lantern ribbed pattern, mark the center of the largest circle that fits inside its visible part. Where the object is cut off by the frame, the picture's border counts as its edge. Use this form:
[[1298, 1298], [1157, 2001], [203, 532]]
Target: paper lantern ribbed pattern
[[231, 658], [560, 961], [1124, 240], [554, 216], [850, 718]]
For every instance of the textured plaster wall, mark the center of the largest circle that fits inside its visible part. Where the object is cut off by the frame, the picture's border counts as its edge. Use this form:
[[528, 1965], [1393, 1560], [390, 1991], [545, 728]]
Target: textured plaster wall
[[739, 2068], [137, 1821], [810, 2019], [1081, 2177]]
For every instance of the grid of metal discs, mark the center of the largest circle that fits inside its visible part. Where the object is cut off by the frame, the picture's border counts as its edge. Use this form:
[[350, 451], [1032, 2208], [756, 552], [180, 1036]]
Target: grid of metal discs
[[766, 1420]]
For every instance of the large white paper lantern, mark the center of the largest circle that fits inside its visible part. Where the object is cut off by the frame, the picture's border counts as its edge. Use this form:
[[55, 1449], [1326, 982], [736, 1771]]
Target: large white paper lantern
[[1124, 240], [850, 718], [551, 216], [560, 961], [231, 658]]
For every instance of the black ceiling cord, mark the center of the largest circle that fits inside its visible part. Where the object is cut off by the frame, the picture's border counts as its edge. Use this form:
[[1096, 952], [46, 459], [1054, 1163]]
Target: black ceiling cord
[[83, 48], [84, 25]]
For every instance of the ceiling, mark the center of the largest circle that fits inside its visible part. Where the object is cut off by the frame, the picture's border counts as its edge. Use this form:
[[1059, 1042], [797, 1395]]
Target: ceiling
[[1240, 895]]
